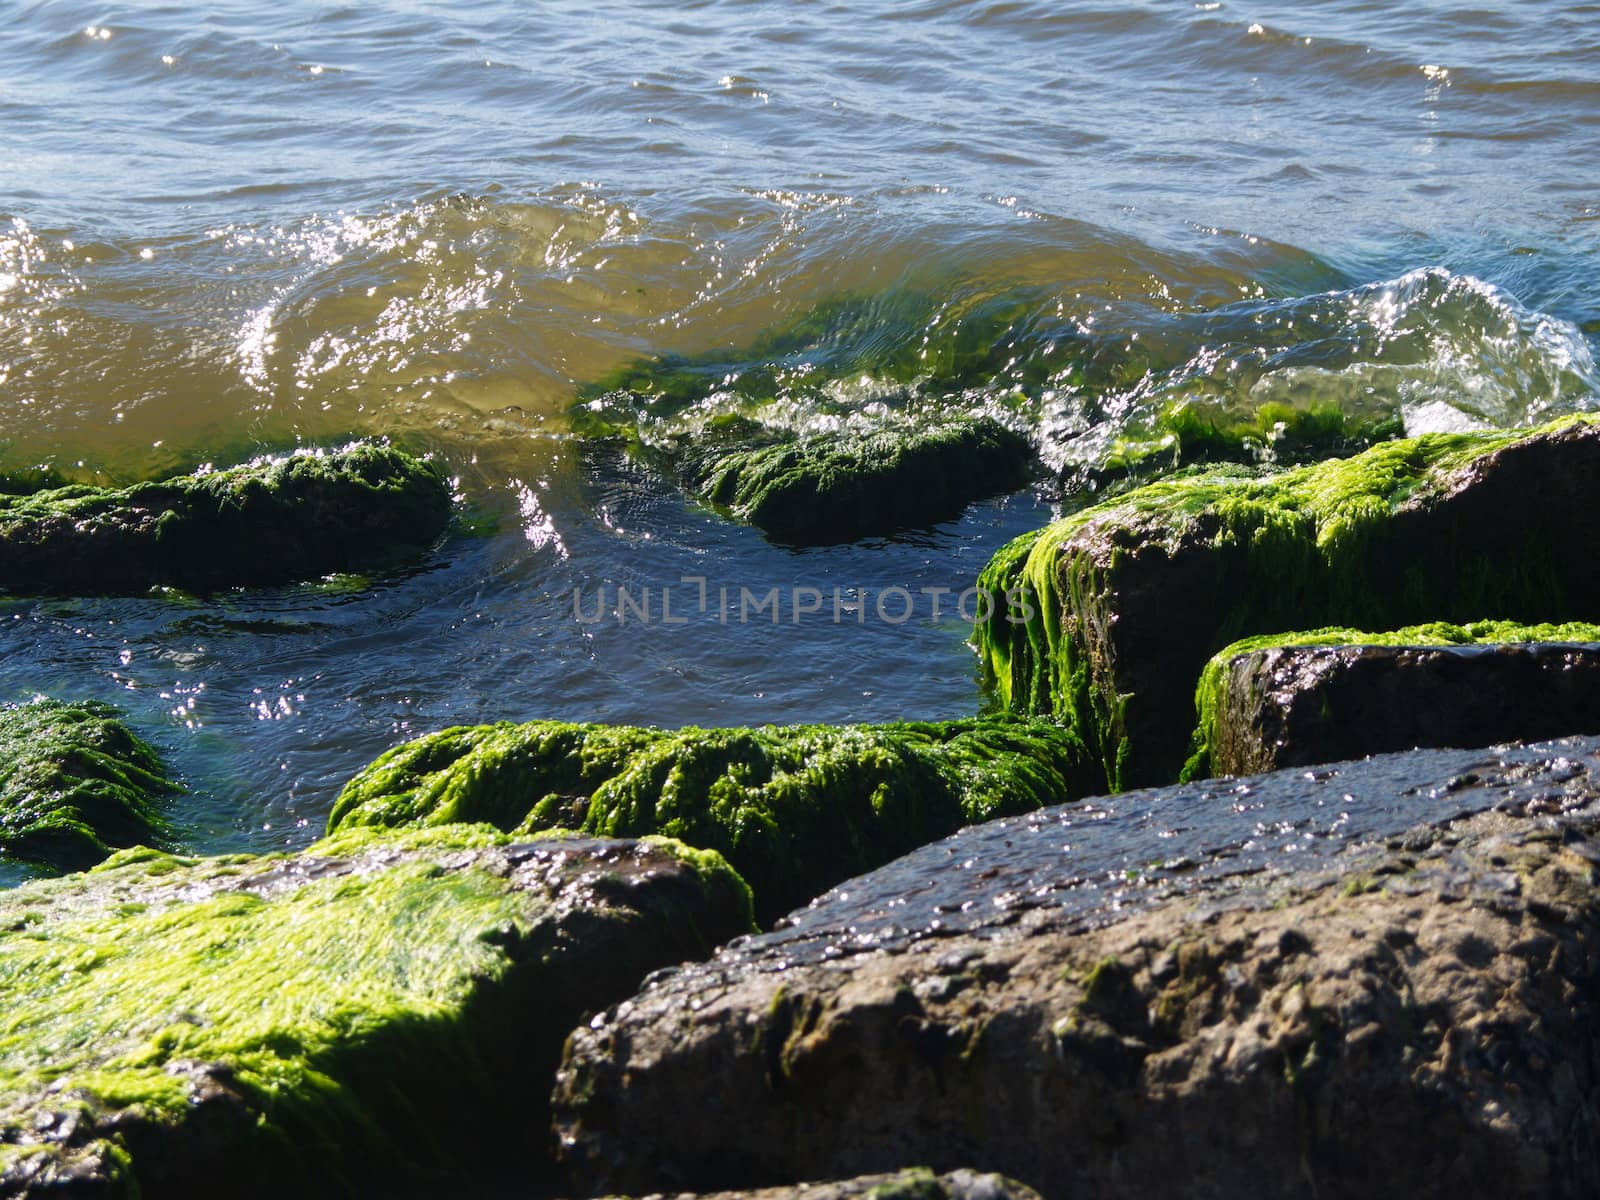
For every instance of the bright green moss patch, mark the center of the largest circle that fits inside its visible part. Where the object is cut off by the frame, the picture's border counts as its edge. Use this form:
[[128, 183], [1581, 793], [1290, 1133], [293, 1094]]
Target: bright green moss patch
[[1113, 611], [281, 521], [379, 1015], [1188, 434], [75, 782], [794, 809], [1210, 696]]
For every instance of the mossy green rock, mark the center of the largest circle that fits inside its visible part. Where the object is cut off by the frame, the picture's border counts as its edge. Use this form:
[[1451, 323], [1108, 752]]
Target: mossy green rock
[[1106, 619], [75, 783], [794, 809], [379, 1015], [841, 487], [1293, 699], [282, 521]]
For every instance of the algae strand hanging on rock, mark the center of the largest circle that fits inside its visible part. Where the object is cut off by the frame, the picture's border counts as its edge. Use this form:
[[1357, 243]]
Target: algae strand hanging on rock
[[277, 521], [794, 809], [1127, 600]]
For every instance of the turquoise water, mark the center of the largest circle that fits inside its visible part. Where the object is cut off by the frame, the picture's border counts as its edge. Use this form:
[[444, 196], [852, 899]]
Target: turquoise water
[[238, 229]]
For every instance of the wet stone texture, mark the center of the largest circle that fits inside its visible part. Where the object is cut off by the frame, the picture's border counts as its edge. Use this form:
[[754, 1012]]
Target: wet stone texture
[[1375, 978], [378, 1016], [913, 1184], [1290, 706]]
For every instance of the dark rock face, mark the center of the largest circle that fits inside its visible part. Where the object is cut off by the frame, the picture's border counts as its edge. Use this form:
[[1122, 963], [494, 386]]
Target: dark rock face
[[380, 1015], [305, 516], [1319, 998], [75, 783], [1127, 601], [1292, 706]]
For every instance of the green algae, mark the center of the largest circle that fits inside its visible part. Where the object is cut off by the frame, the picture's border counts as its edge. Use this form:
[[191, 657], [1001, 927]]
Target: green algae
[[75, 782], [1351, 541], [277, 521], [1188, 434], [840, 487], [1211, 693], [340, 1021], [793, 809]]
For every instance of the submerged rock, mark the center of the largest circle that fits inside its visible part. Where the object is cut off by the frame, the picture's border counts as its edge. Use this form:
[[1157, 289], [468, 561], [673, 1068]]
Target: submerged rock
[[1107, 618], [839, 487], [1283, 700], [75, 783], [795, 809], [281, 521], [1314, 996], [379, 1015]]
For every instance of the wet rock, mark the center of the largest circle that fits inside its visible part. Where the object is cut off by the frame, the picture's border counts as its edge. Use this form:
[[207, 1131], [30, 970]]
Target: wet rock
[[1107, 618], [379, 1015], [1375, 978], [75, 783], [840, 487], [1292, 699], [914, 1184], [281, 521], [795, 809]]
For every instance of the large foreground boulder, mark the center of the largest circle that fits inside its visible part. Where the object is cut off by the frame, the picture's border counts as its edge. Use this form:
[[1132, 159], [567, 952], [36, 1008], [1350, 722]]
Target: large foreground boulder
[[278, 521], [794, 808], [377, 1016], [75, 783], [1106, 618], [917, 1183], [1282, 700], [1379, 978]]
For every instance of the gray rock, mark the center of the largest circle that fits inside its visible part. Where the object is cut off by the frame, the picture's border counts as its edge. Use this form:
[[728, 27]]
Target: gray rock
[[1377, 978], [1292, 706], [911, 1184]]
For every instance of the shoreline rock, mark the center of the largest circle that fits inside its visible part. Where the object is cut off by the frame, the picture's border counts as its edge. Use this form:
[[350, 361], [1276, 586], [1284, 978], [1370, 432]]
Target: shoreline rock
[[797, 808], [1298, 699], [75, 784], [283, 521], [1106, 619], [1395, 1009], [378, 1015]]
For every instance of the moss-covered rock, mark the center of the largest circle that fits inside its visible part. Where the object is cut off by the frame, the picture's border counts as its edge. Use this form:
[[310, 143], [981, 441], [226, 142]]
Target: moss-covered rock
[[839, 487], [1189, 434], [75, 783], [379, 1015], [1106, 619], [794, 809], [278, 521], [1292, 699]]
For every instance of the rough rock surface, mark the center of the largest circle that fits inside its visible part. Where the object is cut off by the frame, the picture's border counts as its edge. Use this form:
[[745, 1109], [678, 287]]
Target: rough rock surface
[[1379, 978], [75, 783], [1335, 694], [913, 1184], [1107, 618], [281, 521], [379, 1015], [796, 808]]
